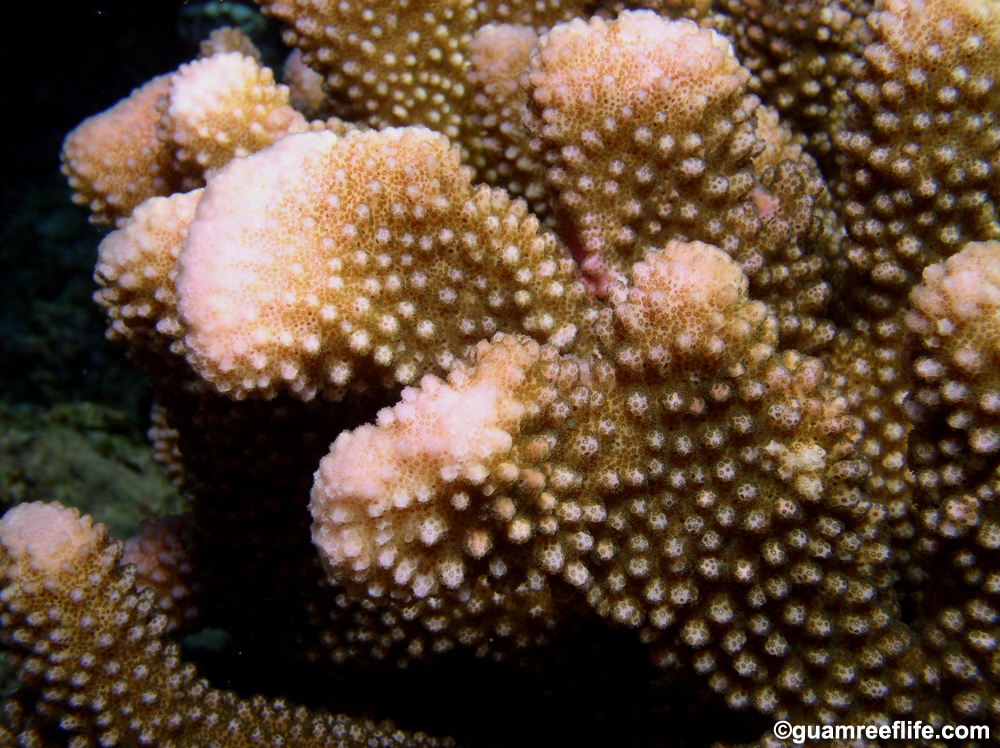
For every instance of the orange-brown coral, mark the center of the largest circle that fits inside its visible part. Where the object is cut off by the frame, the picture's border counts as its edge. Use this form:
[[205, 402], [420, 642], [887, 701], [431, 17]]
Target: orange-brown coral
[[114, 160], [811, 538], [90, 645], [716, 507], [383, 263], [169, 133]]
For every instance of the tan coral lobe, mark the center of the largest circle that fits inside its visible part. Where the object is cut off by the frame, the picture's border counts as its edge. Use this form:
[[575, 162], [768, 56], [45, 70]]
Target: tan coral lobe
[[638, 57], [957, 316], [921, 142], [641, 122], [136, 268], [93, 643], [46, 537], [226, 106], [956, 437], [927, 31], [498, 56], [164, 554], [376, 499], [242, 279], [114, 159], [323, 263], [305, 85], [228, 39]]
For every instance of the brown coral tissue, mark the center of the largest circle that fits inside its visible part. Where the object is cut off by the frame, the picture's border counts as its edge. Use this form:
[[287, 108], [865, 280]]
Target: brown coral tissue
[[593, 375]]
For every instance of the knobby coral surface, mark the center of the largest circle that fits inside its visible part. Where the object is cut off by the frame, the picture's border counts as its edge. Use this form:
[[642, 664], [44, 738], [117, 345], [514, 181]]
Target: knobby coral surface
[[93, 645], [721, 385]]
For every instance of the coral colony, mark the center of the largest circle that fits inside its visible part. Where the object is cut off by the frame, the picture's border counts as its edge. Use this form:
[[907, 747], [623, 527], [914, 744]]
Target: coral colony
[[505, 318]]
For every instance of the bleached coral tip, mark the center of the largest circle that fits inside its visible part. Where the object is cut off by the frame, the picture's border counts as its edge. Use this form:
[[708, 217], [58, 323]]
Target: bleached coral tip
[[44, 536]]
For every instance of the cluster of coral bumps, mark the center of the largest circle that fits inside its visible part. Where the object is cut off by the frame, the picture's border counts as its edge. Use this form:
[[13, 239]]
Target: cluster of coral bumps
[[684, 320]]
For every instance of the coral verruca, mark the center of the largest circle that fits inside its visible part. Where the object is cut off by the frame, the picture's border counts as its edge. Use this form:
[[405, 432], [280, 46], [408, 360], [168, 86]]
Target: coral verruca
[[94, 647], [588, 373]]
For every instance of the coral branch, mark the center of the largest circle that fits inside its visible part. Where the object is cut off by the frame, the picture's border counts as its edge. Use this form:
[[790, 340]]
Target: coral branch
[[388, 244], [91, 647], [725, 379]]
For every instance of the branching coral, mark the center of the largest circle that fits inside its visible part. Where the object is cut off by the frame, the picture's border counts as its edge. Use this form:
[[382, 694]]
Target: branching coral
[[717, 502], [172, 131], [922, 142], [740, 427], [398, 267], [390, 67], [92, 644]]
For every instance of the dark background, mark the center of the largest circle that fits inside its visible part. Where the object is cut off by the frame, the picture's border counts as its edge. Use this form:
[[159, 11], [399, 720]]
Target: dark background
[[64, 62]]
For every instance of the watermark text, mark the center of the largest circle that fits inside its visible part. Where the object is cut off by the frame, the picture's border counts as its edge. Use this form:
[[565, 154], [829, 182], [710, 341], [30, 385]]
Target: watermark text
[[902, 730]]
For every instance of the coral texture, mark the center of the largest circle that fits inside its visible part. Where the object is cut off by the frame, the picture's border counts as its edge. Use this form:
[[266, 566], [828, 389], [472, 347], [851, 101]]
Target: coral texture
[[398, 267], [730, 395], [177, 128], [78, 626]]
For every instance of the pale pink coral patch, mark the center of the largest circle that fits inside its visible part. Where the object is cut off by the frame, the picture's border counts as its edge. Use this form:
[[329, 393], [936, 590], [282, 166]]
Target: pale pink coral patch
[[960, 289], [47, 536], [378, 491], [633, 57], [305, 85], [236, 260], [684, 289], [497, 50]]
